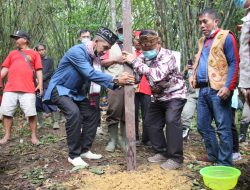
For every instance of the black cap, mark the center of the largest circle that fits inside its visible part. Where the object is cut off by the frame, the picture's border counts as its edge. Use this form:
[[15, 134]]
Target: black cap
[[119, 26], [21, 34], [107, 35]]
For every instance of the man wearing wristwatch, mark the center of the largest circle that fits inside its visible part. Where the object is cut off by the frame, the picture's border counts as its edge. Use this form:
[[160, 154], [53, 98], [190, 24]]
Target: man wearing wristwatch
[[66, 91]]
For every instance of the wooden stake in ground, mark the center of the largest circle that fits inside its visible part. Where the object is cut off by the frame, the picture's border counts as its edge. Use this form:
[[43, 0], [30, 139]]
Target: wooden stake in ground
[[129, 90]]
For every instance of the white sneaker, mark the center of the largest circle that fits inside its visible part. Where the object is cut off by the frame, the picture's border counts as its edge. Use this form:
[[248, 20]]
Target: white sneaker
[[236, 156], [77, 162], [91, 156], [99, 131]]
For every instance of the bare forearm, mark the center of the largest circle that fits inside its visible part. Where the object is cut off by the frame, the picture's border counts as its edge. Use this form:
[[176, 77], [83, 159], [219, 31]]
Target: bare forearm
[[39, 75], [4, 72]]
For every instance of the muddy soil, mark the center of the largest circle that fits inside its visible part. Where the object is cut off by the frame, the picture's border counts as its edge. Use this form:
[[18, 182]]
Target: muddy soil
[[25, 166]]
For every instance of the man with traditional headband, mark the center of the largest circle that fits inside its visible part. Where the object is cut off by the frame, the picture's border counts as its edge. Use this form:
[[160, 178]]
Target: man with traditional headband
[[66, 91], [169, 96]]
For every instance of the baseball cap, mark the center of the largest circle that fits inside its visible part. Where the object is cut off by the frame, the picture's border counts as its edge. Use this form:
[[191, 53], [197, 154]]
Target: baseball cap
[[21, 34]]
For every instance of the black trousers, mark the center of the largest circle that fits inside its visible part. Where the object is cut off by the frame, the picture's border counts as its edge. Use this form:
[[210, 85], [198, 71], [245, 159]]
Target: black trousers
[[81, 123], [161, 114], [141, 101]]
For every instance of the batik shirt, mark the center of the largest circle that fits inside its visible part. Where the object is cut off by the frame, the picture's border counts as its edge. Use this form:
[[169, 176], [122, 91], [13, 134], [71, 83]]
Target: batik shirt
[[162, 73]]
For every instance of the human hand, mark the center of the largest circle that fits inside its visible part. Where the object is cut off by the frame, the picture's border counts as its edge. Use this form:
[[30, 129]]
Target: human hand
[[246, 93], [128, 57], [39, 88], [224, 93], [126, 78], [191, 81], [118, 60]]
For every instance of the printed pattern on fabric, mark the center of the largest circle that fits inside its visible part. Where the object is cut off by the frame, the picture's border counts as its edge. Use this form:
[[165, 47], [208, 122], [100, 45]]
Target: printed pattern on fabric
[[165, 81]]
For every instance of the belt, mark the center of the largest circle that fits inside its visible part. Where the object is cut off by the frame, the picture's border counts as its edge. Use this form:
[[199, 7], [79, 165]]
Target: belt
[[203, 84]]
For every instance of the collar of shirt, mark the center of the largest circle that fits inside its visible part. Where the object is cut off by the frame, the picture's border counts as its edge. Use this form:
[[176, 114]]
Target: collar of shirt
[[210, 38]]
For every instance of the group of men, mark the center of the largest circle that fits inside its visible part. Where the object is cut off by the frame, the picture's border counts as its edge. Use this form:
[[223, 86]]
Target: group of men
[[215, 73]]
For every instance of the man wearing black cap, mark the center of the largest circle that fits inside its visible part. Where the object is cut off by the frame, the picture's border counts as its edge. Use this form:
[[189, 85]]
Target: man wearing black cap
[[65, 90], [113, 63], [21, 65]]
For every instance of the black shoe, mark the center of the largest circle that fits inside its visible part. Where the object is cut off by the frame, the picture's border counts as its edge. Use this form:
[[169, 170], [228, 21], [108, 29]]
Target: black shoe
[[242, 138]]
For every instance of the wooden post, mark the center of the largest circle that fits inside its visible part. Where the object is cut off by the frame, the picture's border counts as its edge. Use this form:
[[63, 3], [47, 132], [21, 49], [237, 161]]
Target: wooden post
[[129, 90], [113, 14]]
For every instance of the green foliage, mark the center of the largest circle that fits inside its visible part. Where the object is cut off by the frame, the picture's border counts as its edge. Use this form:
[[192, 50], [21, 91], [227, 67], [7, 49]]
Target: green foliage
[[36, 176], [56, 22]]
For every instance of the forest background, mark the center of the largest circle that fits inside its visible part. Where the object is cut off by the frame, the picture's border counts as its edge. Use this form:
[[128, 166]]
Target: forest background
[[57, 22]]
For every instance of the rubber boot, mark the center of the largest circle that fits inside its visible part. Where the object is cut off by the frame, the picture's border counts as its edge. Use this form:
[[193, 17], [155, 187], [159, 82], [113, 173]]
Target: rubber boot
[[40, 120], [112, 130], [55, 119], [243, 132], [122, 137]]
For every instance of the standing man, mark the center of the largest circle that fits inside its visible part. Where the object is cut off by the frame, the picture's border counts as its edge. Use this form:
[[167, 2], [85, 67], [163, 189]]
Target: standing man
[[169, 92], [20, 66], [112, 61], [65, 90], [142, 96], [84, 36], [189, 109], [215, 73], [48, 70], [244, 83]]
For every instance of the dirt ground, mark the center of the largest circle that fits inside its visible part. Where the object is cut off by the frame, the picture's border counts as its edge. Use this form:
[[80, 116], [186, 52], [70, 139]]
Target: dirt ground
[[24, 166]]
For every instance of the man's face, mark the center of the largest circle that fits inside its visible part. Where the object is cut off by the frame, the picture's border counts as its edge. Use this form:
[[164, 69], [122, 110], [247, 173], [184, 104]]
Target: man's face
[[20, 42], [207, 23], [85, 35], [101, 47], [41, 50]]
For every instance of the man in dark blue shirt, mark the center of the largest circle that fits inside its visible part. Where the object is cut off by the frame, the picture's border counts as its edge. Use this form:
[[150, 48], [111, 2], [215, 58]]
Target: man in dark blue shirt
[[65, 90]]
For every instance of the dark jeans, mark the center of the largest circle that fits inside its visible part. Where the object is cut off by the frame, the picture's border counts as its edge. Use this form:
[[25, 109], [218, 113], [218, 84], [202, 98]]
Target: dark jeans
[[81, 123], [210, 106], [234, 133], [161, 114], [141, 101]]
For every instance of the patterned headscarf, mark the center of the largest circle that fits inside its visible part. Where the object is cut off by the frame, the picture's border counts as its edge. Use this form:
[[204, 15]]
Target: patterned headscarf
[[149, 40]]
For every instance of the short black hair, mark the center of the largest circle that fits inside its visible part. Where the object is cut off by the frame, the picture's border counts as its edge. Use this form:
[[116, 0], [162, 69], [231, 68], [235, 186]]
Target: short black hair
[[212, 12], [82, 31], [40, 44], [148, 32]]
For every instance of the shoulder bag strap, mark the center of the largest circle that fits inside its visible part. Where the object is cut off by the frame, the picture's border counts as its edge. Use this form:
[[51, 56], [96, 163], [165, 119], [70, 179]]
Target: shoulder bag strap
[[29, 63]]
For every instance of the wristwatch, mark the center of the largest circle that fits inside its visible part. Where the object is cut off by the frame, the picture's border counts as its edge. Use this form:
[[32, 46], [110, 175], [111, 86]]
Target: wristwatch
[[115, 80]]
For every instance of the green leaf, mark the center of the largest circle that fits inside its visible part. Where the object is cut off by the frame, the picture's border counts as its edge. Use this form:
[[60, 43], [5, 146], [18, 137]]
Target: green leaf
[[96, 171], [76, 168]]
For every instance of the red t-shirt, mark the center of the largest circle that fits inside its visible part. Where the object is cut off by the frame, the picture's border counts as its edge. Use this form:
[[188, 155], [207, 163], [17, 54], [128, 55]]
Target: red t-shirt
[[20, 75]]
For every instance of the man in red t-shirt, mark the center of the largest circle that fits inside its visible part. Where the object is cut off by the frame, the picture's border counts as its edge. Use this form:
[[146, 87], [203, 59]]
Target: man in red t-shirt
[[142, 96], [20, 86]]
